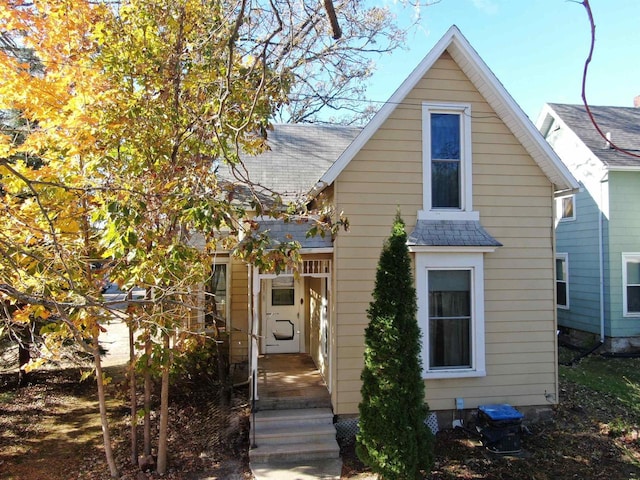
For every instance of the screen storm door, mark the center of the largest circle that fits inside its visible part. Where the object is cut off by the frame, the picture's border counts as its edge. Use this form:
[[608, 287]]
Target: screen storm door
[[282, 315]]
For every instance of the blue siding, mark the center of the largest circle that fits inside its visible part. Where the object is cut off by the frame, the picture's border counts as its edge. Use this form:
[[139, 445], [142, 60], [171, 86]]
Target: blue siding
[[624, 237], [584, 285]]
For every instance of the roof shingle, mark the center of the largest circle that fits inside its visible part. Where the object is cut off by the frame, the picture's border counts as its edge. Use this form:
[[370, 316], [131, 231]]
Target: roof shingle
[[451, 233], [622, 122]]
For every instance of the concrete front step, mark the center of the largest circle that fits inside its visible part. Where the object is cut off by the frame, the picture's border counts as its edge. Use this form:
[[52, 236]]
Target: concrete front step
[[302, 402], [285, 434], [294, 452], [293, 418], [293, 435]]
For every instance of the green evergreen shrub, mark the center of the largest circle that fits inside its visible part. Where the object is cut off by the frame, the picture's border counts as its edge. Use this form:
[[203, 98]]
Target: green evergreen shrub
[[393, 438]]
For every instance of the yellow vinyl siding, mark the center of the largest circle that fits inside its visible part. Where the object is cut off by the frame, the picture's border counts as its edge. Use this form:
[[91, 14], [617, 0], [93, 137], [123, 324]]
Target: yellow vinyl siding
[[513, 198], [239, 348]]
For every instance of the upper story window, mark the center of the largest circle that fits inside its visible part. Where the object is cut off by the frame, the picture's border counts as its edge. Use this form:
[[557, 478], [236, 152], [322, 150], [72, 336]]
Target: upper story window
[[631, 284], [566, 208], [447, 162]]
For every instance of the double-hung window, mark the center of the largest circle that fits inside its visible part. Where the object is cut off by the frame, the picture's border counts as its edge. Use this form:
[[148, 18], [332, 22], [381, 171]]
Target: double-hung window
[[449, 318], [562, 280], [451, 312], [217, 297], [447, 161], [631, 284]]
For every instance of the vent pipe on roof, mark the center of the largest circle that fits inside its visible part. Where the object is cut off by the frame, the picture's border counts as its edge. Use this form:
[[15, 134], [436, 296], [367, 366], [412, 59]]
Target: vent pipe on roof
[[608, 144], [636, 101]]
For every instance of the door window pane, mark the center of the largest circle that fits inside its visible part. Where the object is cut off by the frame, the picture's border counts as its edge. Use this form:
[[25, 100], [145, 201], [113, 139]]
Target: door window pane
[[282, 291], [449, 319]]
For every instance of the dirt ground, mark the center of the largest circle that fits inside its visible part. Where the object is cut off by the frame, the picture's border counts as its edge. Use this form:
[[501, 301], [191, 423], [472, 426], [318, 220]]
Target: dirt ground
[[50, 430]]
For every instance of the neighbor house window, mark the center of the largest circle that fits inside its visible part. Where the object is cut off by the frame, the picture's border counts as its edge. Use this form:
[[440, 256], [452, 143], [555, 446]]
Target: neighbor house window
[[562, 280], [566, 208], [446, 159], [631, 283], [451, 314]]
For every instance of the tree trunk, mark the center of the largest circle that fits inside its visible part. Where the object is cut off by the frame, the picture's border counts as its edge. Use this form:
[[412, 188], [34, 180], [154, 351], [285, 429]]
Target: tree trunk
[[132, 391], [24, 357], [147, 395], [164, 408], [103, 409]]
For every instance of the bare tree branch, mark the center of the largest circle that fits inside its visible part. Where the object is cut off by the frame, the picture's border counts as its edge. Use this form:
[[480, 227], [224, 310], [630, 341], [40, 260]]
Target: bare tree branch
[[612, 145]]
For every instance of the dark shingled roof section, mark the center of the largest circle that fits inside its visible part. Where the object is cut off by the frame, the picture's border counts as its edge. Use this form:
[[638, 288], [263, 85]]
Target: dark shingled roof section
[[299, 155], [622, 122], [451, 233], [280, 232]]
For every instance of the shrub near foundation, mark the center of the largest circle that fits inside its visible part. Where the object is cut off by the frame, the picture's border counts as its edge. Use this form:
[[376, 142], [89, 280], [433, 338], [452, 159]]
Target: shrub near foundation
[[393, 439]]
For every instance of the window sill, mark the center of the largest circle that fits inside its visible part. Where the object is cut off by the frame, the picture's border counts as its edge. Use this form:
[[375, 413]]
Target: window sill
[[436, 374], [444, 214]]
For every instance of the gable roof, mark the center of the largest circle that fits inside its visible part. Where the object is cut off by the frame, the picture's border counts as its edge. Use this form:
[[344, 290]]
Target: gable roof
[[297, 157], [622, 122], [491, 89]]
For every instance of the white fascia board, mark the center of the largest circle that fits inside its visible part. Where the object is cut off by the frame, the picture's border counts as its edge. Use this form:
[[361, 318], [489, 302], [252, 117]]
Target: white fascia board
[[548, 111], [390, 105], [511, 114], [493, 91], [316, 250]]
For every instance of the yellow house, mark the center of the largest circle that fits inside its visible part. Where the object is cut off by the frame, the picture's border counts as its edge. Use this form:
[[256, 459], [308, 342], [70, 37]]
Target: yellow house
[[475, 183]]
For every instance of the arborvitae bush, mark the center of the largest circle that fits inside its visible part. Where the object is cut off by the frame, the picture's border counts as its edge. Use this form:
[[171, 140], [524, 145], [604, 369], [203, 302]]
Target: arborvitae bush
[[394, 439]]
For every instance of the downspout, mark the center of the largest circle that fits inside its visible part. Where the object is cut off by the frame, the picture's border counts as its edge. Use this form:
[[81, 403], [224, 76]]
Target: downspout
[[601, 257]]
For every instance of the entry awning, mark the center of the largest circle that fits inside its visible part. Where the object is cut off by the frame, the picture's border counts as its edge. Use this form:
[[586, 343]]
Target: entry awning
[[280, 231]]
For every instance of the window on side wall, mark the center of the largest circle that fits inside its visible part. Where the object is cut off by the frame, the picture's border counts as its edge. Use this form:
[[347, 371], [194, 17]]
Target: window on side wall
[[566, 208], [449, 319], [217, 297], [446, 160], [631, 284], [451, 314], [562, 280]]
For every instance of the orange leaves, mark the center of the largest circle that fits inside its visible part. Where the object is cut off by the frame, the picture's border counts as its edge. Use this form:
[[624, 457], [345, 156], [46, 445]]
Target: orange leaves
[[54, 93]]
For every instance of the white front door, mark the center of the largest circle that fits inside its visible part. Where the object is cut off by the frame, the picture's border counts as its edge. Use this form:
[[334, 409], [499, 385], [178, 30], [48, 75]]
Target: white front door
[[282, 322]]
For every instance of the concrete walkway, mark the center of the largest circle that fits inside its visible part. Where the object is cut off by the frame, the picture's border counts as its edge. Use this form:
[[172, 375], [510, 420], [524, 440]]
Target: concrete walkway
[[329, 469]]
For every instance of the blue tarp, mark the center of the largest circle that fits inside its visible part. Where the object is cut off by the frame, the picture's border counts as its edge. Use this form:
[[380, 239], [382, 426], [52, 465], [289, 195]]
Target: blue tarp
[[501, 411]]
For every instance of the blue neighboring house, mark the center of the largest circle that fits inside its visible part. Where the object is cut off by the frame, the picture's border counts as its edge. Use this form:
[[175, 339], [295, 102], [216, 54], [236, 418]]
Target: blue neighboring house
[[598, 227]]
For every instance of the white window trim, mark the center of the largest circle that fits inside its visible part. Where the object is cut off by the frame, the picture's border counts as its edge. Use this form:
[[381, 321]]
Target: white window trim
[[627, 257], [560, 210], [442, 261], [465, 212], [227, 307], [565, 257]]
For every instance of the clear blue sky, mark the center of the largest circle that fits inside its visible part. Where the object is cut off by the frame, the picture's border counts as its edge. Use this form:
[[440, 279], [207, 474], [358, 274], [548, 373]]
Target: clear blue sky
[[536, 48]]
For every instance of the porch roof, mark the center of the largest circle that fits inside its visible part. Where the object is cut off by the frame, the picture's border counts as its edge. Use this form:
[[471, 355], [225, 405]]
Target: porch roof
[[294, 231], [451, 233]]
